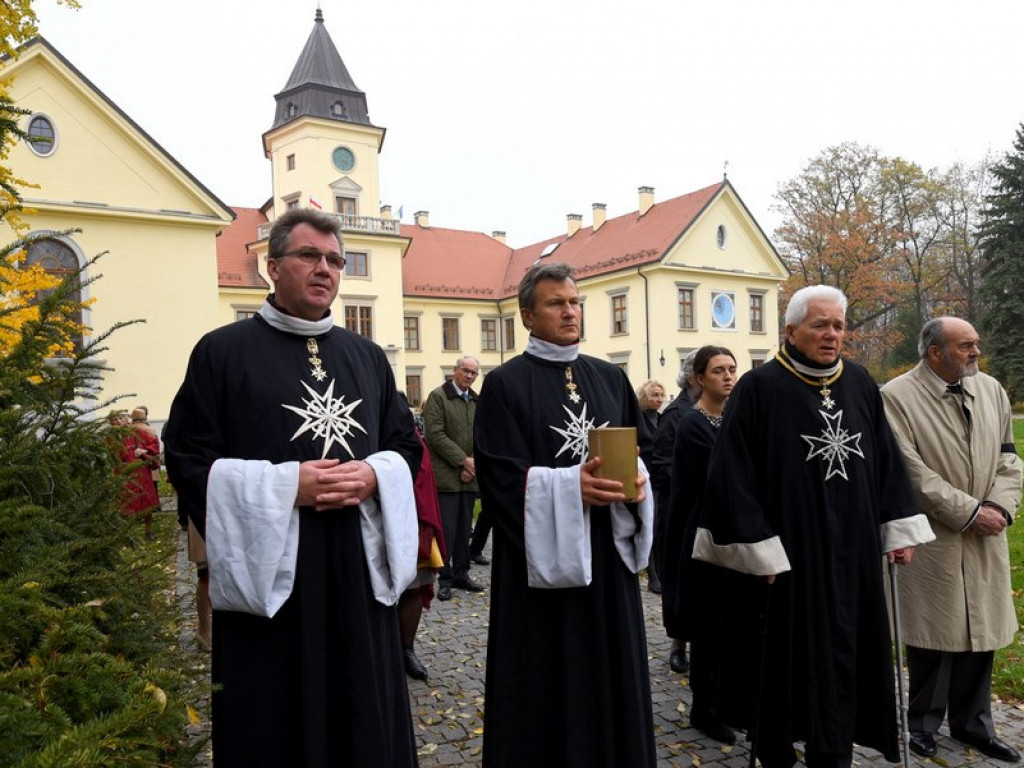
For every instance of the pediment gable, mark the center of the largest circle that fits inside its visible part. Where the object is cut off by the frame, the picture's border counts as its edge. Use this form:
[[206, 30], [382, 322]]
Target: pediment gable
[[725, 237], [346, 187], [102, 158]]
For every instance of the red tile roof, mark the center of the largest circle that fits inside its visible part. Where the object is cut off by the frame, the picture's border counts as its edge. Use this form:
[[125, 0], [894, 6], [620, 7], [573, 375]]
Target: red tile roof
[[624, 242], [458, 264], [453, 263], [236, 267]]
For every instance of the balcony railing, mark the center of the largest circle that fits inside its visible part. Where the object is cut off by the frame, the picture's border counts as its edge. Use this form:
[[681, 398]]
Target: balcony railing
[[350, 224]]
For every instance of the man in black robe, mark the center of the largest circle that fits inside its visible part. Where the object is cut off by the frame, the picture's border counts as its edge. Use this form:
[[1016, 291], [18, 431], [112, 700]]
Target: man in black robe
[[807, 487], [292, 452], [567, 677]]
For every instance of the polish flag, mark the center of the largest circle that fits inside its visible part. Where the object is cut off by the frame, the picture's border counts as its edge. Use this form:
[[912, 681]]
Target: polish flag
[[315, 203]]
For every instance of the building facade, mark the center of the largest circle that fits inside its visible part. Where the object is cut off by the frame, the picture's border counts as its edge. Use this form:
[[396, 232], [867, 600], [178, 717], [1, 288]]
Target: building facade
[[656, 282]]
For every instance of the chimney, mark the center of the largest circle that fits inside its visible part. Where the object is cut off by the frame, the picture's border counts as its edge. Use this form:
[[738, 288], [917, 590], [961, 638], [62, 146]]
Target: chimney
[[599, 215], [385, 211], [646, 199], [422, 218], [499, 236], [574, 221]]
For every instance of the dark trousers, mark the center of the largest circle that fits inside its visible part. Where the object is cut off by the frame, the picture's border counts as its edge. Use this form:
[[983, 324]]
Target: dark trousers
[[481, 531], [456, 519], [958, 682]]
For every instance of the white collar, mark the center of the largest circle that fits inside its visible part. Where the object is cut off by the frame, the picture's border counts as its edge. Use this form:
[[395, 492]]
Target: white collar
[[555, 353], [296, 325]]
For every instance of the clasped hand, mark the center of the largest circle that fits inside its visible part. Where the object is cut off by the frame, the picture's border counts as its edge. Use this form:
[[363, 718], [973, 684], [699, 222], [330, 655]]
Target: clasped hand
[[600, 491], [329, 484], [990, 521]]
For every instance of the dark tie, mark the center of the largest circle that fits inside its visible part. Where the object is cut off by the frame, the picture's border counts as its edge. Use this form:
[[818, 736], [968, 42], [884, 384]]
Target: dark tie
[[957, 390]]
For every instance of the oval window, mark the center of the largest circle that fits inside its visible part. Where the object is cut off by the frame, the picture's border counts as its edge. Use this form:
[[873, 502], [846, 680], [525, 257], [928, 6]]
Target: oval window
[[42, 136]]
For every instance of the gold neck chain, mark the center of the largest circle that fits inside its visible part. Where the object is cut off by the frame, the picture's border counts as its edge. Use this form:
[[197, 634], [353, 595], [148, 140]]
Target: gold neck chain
[[823, 382]]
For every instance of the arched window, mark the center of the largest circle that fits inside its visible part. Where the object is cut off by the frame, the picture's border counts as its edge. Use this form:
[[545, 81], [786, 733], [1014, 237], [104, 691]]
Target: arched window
[[292, 109], [338, 110], [42, 135], [59, 260]]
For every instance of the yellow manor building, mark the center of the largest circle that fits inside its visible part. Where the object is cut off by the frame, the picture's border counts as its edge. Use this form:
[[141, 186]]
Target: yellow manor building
[[656, 282]]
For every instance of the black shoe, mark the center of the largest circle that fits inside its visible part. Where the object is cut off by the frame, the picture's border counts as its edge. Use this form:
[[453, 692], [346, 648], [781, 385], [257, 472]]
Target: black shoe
[[923, 744], [444, 593], [990, 747], [712, 728], [413, 668], [479, 559], [677, 661], [468, 584]]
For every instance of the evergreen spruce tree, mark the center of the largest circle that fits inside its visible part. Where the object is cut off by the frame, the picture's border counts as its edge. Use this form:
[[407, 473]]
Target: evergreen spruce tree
[[1002, 271], [88, 671]]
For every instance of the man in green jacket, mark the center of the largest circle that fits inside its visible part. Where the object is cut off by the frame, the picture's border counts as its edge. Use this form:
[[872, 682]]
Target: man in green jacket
[[448, 430]]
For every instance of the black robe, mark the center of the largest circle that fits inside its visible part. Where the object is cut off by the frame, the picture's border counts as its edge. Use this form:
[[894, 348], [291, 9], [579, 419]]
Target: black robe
[[716, 609], [322, 683], [567, 677], [825, 481], [668, 536]]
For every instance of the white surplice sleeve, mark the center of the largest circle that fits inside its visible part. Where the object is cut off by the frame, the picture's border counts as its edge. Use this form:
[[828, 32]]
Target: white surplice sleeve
[[252, 534], [390, 528], [557, 530]]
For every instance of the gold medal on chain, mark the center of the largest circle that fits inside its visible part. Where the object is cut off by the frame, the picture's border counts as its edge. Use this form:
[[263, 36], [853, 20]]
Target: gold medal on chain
[[314, 360], [570, 386]]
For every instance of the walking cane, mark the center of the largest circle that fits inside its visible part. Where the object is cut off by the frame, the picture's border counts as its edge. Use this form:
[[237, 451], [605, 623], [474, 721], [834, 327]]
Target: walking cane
[[755, 726], [904, 728]]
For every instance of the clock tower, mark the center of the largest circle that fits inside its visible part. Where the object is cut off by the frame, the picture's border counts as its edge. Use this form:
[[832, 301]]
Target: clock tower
[[324, 152], [322, 146]]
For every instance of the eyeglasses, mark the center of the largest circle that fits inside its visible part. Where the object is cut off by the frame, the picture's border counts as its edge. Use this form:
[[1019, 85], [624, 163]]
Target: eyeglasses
[[310, 257]]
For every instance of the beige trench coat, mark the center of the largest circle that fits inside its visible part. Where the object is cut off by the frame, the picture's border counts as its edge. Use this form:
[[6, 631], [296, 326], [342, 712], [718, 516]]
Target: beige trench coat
[[955, 595]]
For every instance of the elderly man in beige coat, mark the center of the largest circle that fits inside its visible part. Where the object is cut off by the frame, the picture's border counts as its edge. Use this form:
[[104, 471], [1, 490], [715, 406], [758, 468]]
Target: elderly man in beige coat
[[953, 424]]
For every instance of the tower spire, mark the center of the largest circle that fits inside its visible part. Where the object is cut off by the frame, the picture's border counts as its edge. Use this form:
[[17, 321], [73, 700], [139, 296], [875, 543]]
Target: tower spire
[[320, 84]]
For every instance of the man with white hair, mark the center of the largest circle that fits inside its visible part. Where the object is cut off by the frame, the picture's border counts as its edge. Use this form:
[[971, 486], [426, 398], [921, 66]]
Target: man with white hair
[[806, 487], [955, 427]]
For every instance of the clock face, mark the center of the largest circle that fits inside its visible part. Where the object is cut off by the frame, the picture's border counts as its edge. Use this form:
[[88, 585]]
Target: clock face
[[723, 311], [343, 158]]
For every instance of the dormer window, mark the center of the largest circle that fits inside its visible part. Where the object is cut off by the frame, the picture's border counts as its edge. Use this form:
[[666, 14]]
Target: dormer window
[[291, 109], [338, 110]]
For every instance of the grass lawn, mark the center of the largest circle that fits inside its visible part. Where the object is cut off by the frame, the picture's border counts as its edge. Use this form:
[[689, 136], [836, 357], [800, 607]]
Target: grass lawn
[[1008, 675]]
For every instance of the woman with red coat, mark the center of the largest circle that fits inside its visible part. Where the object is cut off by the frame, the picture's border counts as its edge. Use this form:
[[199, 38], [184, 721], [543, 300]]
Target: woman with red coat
[[139, 453]]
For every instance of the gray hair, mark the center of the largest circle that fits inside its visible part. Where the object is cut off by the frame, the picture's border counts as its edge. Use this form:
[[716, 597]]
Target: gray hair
[[459, 363], [797, 309], [281, 231], [684, 379], [931, 336], [553, 270]]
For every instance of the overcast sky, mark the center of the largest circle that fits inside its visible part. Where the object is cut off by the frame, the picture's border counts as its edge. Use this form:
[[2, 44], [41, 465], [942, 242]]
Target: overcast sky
[[509, 115]]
